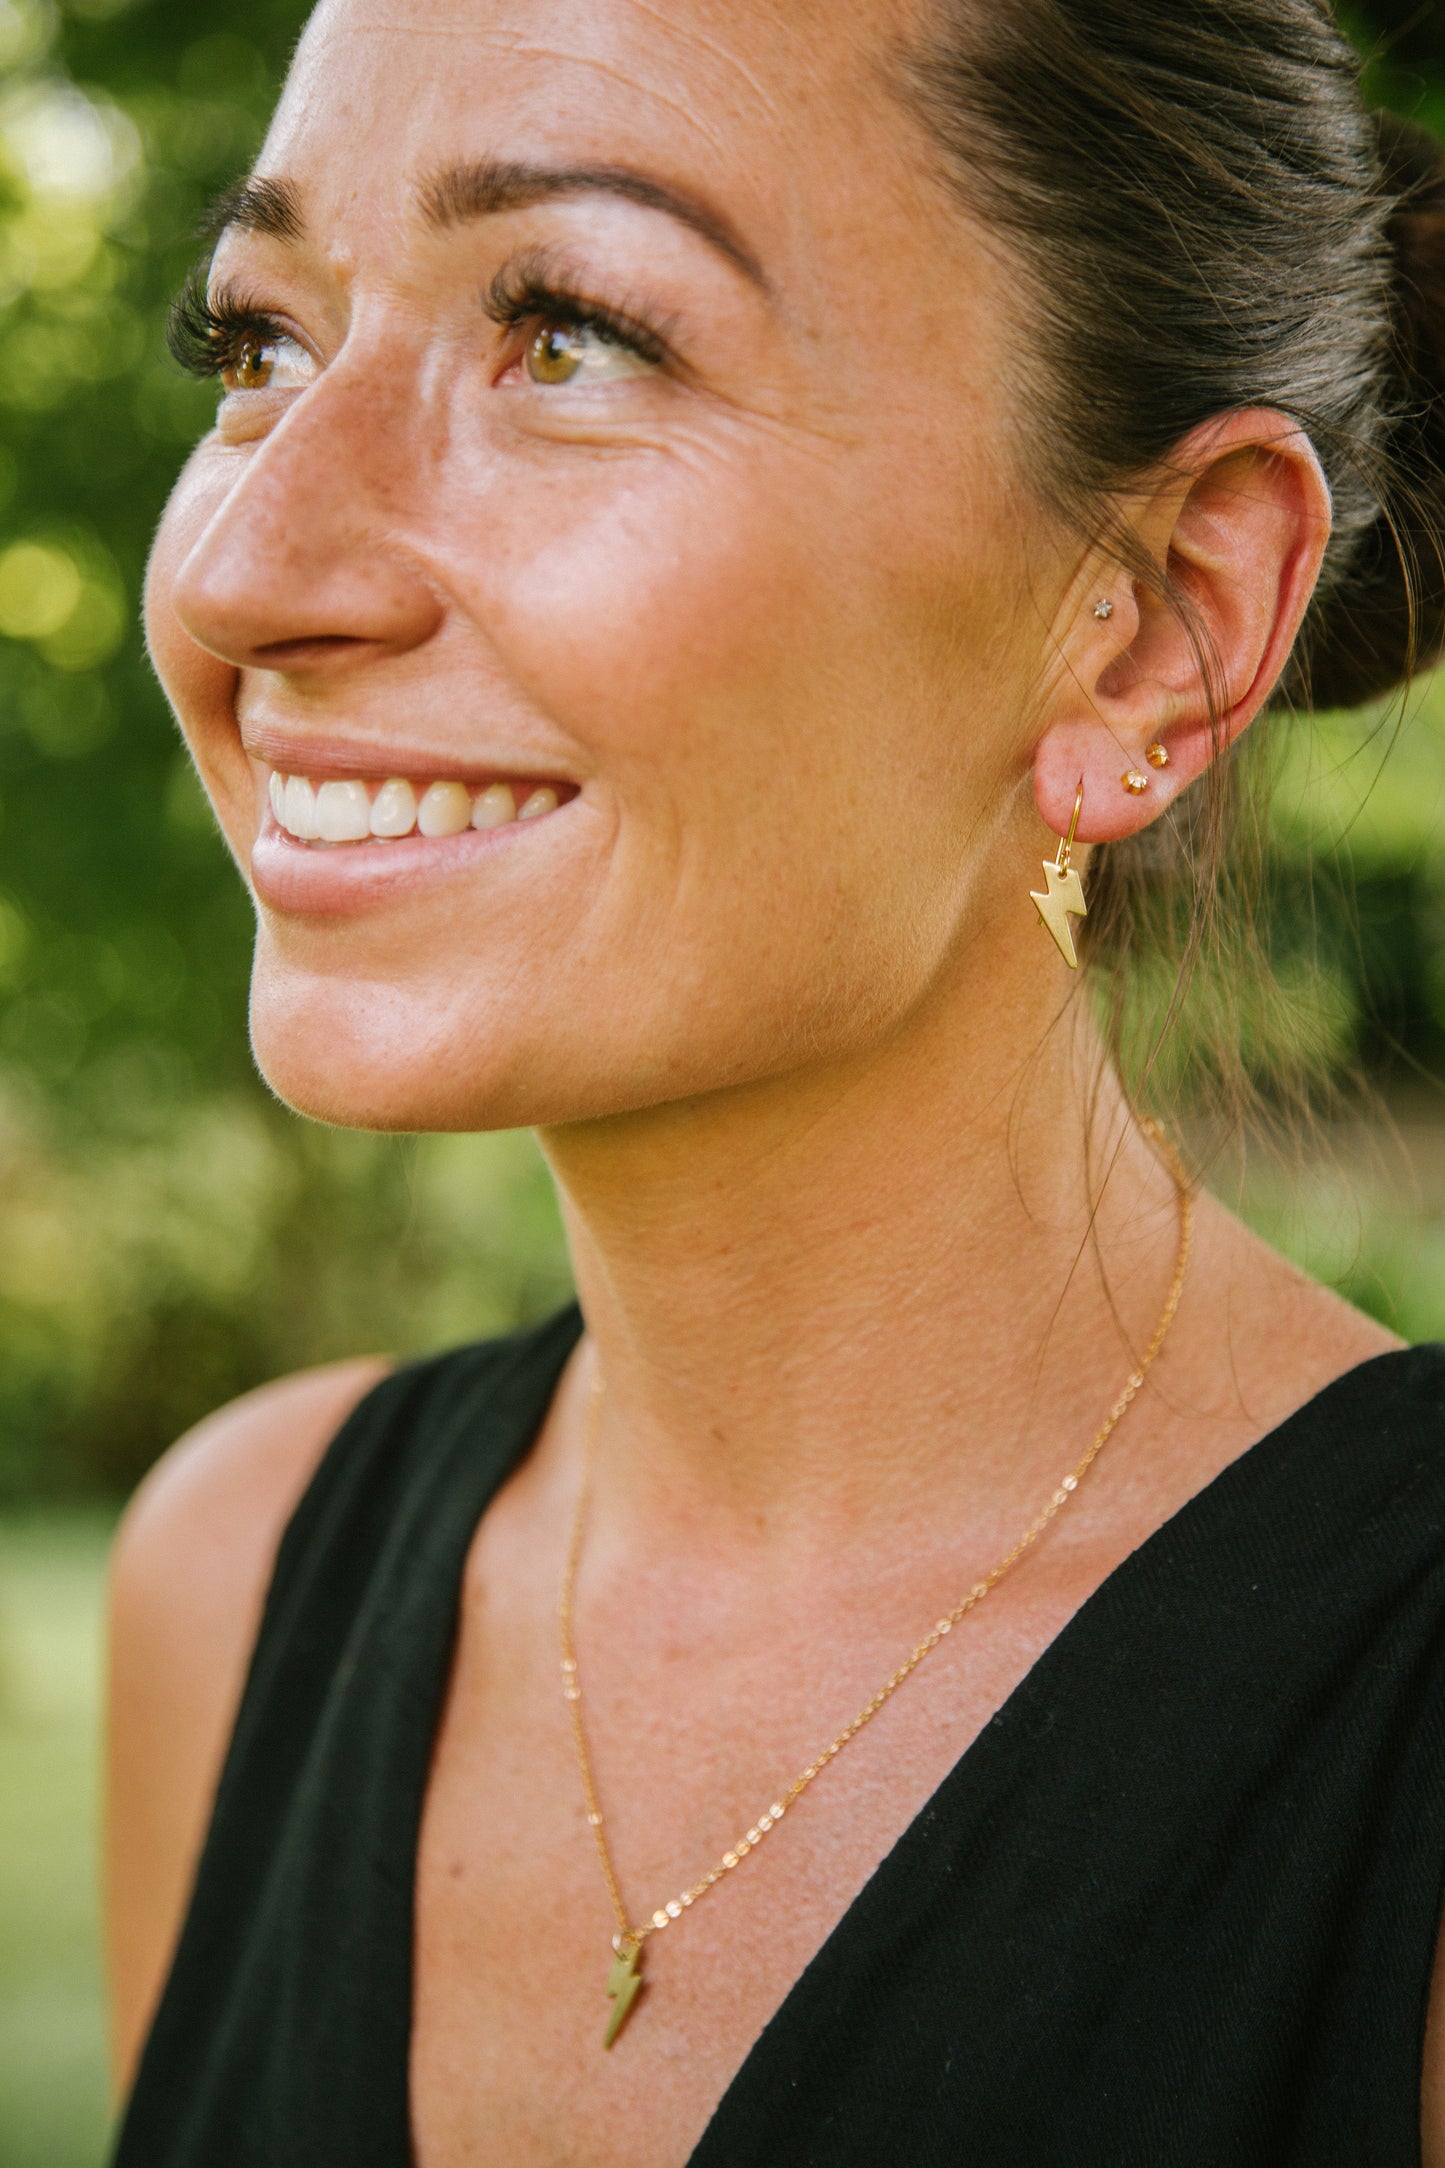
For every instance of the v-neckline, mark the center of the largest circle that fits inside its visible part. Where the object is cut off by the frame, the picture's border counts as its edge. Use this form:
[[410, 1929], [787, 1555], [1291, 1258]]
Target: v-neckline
[[973, 1771]]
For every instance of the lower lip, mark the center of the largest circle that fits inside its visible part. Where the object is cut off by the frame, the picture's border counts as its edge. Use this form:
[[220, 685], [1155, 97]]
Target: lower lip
[[326, 881]]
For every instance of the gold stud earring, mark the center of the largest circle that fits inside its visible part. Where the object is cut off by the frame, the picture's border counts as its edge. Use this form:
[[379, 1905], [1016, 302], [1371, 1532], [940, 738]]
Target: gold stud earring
[[1157, 755], [1065, 892], [1104, 609], [1134, 782]]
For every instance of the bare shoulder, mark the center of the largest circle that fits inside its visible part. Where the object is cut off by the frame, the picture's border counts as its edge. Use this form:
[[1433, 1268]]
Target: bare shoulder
[[196, 1546], [204, 1525], [189, 1575]]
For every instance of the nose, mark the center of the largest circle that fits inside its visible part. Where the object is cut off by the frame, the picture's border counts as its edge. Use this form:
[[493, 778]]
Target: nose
[[303, 565]]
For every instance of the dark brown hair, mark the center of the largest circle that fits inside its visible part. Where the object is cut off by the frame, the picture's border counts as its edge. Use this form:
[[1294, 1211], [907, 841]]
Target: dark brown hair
[[1208, 218]]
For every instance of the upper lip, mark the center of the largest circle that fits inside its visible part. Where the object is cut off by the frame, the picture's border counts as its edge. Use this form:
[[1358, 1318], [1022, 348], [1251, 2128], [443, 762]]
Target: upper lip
[[319, 757]]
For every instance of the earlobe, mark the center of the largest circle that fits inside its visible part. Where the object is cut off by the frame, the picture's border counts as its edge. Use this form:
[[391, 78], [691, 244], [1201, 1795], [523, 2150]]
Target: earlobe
[[1180, 666]]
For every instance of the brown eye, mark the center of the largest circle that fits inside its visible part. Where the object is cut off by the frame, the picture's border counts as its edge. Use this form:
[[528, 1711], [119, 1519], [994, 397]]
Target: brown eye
[[253, 366], [555, 355], [265, 360], [582, 354]]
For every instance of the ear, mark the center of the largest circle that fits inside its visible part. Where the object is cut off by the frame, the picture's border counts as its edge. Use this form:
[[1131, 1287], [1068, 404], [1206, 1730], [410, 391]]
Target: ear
[[1238, 525]]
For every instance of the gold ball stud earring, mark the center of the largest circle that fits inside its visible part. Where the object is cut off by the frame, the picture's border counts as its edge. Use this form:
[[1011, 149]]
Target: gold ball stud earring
[[1134, 782], [1157, 755], [1104, 609]]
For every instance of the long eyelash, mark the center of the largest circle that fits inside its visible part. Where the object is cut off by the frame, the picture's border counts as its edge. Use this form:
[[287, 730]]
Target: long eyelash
[[206, 332], [527, 293]]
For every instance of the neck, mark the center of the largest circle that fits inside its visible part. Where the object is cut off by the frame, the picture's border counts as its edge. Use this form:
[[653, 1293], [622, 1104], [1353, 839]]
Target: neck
[[814, 1298]]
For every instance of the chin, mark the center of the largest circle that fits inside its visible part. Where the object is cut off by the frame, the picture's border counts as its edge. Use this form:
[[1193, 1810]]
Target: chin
[[440, 1053], [379, 1056], [423, 1057]]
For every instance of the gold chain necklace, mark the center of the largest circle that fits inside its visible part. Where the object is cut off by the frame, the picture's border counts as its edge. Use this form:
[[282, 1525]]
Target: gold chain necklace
[[624, 1982]]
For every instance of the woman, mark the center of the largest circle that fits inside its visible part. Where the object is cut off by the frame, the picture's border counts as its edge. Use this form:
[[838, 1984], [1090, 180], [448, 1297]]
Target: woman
[[715, 515]]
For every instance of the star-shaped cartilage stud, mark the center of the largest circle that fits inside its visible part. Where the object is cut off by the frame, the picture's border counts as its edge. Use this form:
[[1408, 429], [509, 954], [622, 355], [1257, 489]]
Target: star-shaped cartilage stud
[[1064, 896]]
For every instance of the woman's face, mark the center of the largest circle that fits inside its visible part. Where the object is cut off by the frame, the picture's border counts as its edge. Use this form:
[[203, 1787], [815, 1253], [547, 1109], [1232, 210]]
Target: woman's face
[[617, 409]]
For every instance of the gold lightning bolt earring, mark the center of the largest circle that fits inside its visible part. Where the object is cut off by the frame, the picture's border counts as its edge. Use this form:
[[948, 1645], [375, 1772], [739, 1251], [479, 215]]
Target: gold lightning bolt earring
[[1065, 893]]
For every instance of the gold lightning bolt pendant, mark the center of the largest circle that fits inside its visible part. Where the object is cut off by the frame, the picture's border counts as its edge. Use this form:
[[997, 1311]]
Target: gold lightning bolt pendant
[[1065, 893], [624, 1985]]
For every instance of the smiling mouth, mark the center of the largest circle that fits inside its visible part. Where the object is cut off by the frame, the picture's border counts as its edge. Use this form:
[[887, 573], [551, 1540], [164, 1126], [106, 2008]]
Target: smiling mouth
[[363, 810]]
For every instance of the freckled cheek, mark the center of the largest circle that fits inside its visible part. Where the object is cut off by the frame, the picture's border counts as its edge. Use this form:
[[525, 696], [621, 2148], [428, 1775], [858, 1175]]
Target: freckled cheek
[[646, 629]]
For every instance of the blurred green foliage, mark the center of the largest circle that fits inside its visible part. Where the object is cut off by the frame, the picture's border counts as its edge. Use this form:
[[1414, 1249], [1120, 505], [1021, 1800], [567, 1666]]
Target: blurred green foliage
[[168, 1235], [54, 2105]]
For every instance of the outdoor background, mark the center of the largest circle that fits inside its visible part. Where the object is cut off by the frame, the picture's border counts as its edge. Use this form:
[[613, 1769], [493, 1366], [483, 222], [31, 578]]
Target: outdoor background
[[168, 1235]]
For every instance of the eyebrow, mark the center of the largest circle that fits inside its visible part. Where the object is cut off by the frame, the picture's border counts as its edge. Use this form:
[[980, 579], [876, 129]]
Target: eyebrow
[[485, 188], [256, 205]]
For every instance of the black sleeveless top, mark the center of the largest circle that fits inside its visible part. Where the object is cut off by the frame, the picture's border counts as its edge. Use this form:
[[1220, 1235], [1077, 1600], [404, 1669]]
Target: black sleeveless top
[[1174, 1908]]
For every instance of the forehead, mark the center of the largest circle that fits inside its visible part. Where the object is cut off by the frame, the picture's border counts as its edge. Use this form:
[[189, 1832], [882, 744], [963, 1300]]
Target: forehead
[[768, 96]]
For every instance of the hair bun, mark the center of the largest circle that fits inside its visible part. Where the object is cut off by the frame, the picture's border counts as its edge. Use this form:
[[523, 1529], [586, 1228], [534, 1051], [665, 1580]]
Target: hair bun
[[1386, 618]]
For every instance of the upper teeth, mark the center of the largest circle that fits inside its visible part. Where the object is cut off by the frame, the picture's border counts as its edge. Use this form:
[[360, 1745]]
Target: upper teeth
[[351, 811]]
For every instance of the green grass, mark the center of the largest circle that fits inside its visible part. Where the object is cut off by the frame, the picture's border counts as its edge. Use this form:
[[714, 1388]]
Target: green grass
[[53, 2102]]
